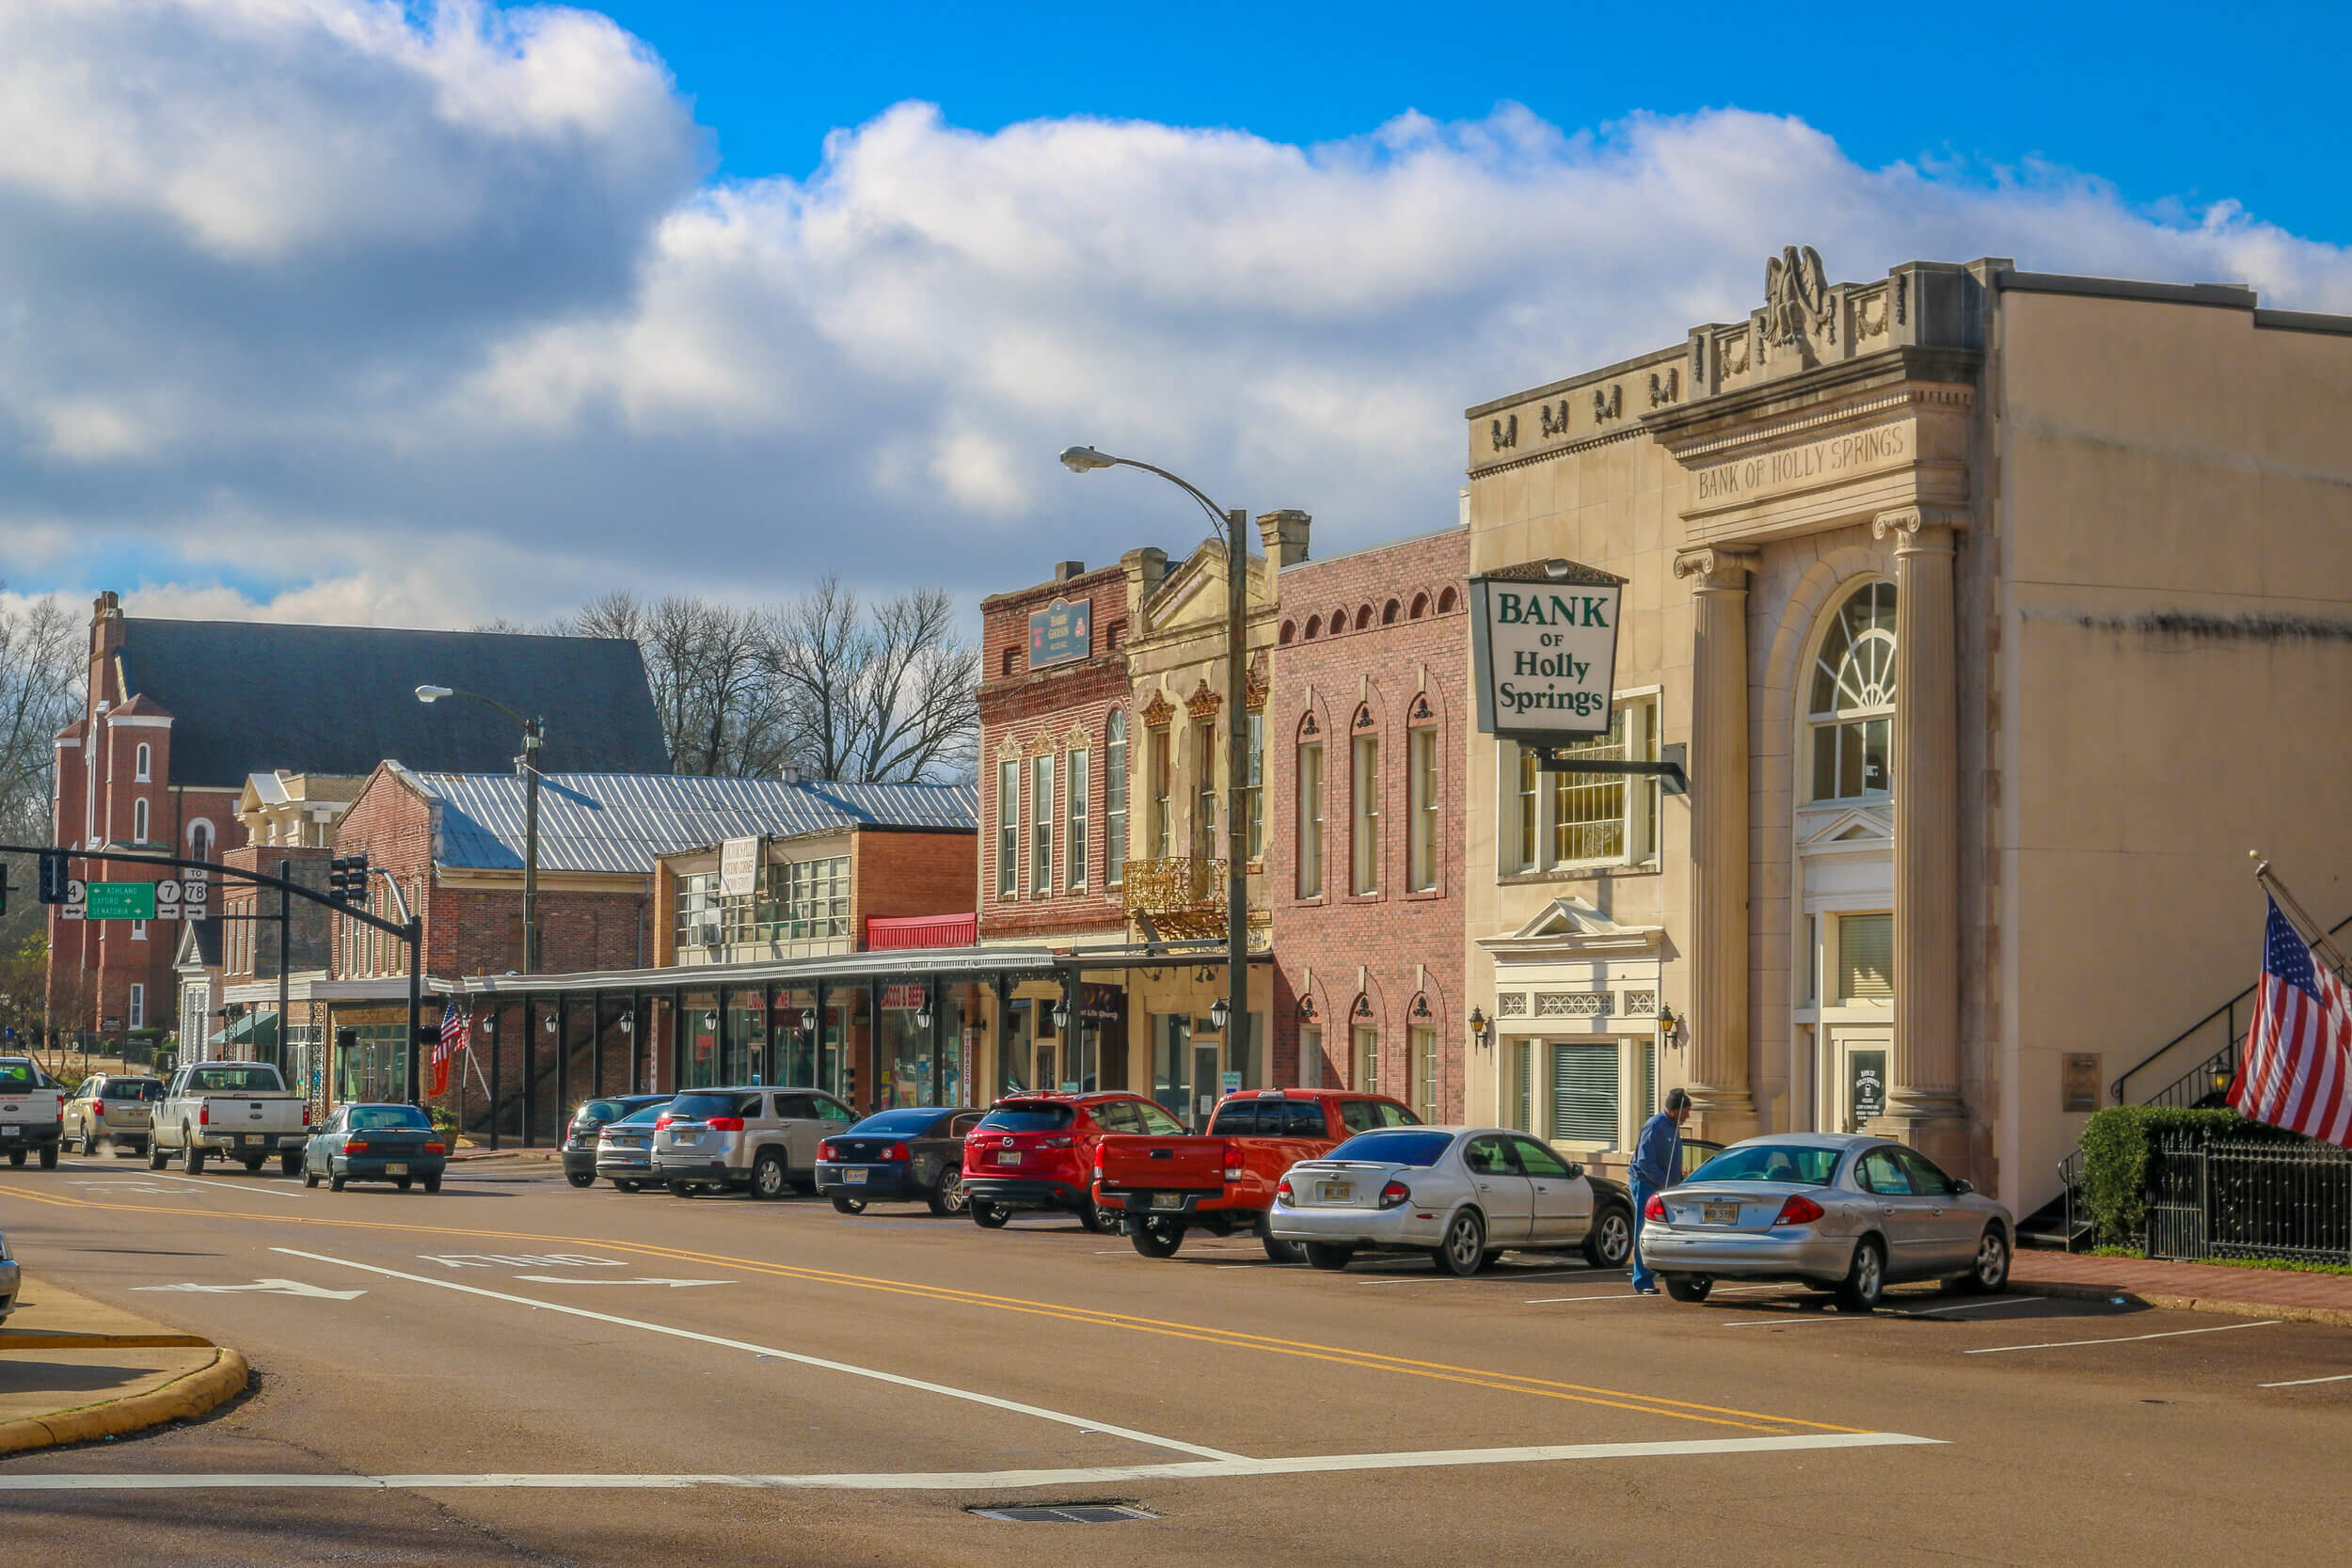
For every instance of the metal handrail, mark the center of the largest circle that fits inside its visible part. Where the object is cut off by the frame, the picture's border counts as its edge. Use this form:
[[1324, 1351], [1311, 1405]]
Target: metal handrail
[[2235, 1034]]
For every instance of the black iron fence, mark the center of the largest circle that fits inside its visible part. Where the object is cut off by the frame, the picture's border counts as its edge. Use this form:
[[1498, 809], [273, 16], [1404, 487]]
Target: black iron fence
[[2233, 1198]]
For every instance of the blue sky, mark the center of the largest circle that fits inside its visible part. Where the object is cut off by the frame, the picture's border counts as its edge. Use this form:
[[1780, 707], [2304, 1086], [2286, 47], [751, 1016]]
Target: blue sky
[[2171, 103], [417, 314]]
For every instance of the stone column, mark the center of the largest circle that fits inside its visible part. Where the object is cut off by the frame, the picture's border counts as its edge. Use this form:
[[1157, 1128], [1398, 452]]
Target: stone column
[[1923, 1105], [1722, 1105]]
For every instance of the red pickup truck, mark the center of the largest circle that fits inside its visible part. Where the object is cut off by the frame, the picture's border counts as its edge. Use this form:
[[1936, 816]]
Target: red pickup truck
[[1223, 1180]]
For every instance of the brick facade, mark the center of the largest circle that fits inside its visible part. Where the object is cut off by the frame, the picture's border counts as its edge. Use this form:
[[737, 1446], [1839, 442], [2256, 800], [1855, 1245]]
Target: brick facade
[[1392, 959]]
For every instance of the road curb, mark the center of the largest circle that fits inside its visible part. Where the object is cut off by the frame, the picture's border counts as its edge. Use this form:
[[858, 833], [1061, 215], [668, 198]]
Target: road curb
[[182, 1399], [12, 1343], [2335, 1316]]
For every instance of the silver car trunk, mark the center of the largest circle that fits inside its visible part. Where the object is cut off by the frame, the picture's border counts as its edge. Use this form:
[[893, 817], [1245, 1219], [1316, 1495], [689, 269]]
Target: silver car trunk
[[1734, 1205], [1342, 1183]]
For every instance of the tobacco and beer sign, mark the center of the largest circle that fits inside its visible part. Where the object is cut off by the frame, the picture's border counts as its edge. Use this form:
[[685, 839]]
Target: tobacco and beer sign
[[1544, 641]]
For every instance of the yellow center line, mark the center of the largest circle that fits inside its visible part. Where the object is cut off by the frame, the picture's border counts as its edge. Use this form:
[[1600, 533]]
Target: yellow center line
[[1618, 1399]]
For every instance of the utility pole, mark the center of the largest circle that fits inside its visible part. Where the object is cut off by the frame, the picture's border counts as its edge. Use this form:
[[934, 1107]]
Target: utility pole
[[285, 957], [529, 762], [1236, 788]]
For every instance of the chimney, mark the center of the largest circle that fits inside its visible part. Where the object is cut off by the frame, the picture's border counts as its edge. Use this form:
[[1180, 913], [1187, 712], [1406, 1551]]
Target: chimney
[[1145, 569], [1065, 570], [1285, 536], [789, 772]]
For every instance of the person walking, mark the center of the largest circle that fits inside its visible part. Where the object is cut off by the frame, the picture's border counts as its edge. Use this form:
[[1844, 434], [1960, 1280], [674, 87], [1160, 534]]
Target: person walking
[[1657, 1164]]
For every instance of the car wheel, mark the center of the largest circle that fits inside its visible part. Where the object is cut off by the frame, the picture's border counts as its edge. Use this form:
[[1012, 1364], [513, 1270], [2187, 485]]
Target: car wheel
[[334, 1179], [290, 1164], [432, 1183], [253, 1167], [990, 1216], [581, 1178], [309, 1177], [403, 1182], [843, 1204], [193, 1161], [66, 1144], [626, 1186], [1155, 1238], [684, 1189], [1325, 1255], [16, 1156], [1463, 1252], [1691, 1288], [770, 1180], [1277, 1251], [1989, 1275], [1611, 1241], [49, 1156], [1865, 1283], [157, 1155], [949, 1198]]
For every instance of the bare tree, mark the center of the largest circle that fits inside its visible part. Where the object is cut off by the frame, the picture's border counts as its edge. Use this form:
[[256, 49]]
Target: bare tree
[[711, 677], [41, 672], [880, 692]]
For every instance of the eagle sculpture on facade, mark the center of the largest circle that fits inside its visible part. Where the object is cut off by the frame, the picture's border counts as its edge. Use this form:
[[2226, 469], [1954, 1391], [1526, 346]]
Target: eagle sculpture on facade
[[1796, 295]]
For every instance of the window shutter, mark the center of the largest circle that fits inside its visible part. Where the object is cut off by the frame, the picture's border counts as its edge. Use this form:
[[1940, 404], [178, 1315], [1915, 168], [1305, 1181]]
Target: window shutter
[[1865, 957], [1584, 1093]]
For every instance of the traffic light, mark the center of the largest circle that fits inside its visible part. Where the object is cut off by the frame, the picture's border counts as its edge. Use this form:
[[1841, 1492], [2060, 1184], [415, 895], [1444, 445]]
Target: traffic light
[[347, 878], [53, 877]]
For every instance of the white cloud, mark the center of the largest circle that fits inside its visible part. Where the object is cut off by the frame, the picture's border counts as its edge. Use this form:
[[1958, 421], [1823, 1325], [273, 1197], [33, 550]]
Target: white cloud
[[439, 318]]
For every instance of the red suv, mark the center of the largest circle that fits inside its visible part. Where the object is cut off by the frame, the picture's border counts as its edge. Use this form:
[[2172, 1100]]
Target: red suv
[[1036, 1151]]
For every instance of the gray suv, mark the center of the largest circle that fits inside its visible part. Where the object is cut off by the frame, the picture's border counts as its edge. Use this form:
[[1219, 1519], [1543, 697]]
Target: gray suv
[[761, 1139]]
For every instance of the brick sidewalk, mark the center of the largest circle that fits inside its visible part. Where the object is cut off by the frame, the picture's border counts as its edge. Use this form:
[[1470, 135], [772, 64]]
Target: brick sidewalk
[[2194, 1286]]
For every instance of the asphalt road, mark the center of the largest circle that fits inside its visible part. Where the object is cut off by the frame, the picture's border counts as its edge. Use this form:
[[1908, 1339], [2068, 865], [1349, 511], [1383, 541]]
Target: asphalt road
[[516, 1371]]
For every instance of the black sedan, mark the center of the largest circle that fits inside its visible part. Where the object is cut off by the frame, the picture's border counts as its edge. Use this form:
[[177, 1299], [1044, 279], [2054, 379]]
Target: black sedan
[[375, 1143], [580, 1138], [912, 1155]]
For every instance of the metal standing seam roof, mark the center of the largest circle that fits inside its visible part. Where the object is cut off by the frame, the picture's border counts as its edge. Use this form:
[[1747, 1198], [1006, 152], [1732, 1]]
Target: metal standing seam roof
[[621, 822]]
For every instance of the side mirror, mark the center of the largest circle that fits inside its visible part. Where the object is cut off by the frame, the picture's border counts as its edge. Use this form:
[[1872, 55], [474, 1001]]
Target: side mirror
[[1963, 1186], [1575, 1169]]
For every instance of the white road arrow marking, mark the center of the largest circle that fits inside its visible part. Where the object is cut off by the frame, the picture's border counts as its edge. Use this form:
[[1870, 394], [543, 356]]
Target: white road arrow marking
[[263, 1287], [575, 1279]]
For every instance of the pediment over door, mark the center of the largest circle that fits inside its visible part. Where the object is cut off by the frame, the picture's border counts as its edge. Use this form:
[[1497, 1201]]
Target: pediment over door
[[1571, 927], [1869, 828]]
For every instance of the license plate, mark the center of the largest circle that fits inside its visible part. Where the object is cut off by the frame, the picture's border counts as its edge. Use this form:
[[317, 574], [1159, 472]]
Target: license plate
[[395, 1169], [1167, 1200], [853, 1178], [253, 1137], [1719, 1214], [9, 1132], [1336, 1192], [1009, 1157]]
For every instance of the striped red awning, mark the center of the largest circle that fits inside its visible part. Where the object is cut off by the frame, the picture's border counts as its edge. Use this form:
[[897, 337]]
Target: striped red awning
[[922, 930]]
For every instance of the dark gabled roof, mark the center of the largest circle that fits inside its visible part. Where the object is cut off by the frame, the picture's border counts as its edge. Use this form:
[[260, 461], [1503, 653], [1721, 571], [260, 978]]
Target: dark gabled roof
[[604, 822], [253, 696]]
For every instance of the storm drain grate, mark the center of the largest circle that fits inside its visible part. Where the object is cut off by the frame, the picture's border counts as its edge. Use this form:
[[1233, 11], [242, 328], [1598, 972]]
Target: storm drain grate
[[1067, 1514]]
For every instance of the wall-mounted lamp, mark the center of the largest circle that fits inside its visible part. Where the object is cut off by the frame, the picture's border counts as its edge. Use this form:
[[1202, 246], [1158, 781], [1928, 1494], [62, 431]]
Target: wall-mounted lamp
[[629, 1023], [1307, 1009], [1481, 1028], [808, 1020], [1061, 1016], [489, 1023], [711, 1021], [1218, 1012], [923, 1016], [1667, 1023]]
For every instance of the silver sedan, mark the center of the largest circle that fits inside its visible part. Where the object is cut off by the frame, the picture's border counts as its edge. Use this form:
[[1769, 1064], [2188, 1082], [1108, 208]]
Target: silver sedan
[[1835, 1211], [1458, 1194]]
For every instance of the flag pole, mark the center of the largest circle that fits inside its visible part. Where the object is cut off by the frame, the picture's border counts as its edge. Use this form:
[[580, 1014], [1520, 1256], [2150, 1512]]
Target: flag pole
[[2305, 926]]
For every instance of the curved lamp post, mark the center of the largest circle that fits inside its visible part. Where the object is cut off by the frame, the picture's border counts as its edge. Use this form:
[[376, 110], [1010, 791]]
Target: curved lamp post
[[1079, 460]]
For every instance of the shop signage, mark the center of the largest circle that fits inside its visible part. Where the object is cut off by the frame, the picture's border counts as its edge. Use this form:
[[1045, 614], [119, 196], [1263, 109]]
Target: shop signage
[[1865, 1092], [1544, 641], [1101, 1006], [119, 900], [738, 868], [906, 994], [2081, 1088], [1061, 633]]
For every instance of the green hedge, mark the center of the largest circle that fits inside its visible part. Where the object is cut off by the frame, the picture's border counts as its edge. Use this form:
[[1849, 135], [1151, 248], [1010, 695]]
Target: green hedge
[[2116, 1145]]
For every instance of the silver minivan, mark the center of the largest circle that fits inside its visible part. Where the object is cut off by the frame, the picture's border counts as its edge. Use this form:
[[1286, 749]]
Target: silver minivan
[[763, 1140]]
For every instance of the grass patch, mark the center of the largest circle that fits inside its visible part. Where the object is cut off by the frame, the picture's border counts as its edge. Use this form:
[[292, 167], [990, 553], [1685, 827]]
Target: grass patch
[[2276, 1265]]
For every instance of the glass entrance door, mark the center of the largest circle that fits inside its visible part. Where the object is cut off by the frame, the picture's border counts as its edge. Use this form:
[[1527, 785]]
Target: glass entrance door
[[1205, 1075], [1858, 1060]]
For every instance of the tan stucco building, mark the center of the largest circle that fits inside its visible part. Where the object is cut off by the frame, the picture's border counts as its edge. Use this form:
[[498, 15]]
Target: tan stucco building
[[2001, 614]]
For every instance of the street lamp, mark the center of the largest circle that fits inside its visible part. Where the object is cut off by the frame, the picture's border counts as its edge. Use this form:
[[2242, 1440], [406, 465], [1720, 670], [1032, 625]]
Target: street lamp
[[1080, 460], [527, 765]]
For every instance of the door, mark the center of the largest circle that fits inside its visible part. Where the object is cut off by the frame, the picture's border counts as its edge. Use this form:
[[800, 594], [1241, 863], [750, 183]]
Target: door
[[1562, 1204], [1952, 1226], [1205, 1074], [1908, 1220], [1048, 1080], [1857, 1075], [1505, 1196]]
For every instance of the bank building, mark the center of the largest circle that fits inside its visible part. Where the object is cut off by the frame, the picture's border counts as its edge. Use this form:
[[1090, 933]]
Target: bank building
[[1997, 615]]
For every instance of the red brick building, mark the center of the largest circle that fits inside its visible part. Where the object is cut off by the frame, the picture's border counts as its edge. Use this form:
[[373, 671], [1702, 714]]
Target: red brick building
[[1366, 748]]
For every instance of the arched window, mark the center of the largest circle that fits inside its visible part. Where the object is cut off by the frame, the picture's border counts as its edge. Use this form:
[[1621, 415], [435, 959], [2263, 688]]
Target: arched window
[[1364, 796], [144, 758], [1289, 633], [1421, 606], [1115, 799], [1314, 626], [199, 840], [139, 821], [1339, 621], [1310, 803], [1363, 618], [1389, 612], [1853, 709], [1446, 601]]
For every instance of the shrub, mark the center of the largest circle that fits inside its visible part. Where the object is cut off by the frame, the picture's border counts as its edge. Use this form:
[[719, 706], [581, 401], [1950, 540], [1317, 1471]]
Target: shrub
[[2117, 1143]]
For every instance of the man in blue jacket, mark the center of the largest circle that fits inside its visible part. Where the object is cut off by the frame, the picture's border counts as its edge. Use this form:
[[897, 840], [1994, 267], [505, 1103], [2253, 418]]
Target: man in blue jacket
[[1656, 1164]]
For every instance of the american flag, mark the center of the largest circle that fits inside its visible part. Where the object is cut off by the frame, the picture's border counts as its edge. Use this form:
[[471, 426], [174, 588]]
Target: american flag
[[456, 1028], [2295, 1072]]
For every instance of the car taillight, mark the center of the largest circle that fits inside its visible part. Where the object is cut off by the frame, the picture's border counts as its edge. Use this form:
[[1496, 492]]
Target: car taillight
[[355, 1146], [1395, 1196], [1102, 1155], [725, 1124], [204, 1113], [826, 1151], [1056, 1143], [898, 1151], [660, 1122], [305, 1112], [1282, 1193], [437, 1148], [1655, 1208], [1798, 1210], [98, 1107], [1233, 1162]]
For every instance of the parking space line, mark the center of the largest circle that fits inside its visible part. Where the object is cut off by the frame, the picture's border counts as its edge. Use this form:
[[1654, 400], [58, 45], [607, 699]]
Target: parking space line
[[1613, 1295], [1981, 1306], [2123, 1339], [965, 1481], [903, 1382], [145, 1176], [2307, 1381]]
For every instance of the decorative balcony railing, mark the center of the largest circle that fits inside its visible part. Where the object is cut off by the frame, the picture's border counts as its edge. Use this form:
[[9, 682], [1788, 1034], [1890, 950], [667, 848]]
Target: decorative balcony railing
[[1181, 896]]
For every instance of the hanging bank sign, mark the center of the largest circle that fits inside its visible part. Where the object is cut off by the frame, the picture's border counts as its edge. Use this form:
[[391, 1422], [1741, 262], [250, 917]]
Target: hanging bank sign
[[1544, 641]]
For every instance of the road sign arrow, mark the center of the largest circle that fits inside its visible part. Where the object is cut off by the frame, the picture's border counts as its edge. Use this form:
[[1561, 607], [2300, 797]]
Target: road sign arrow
[[564, 1279], [263, 1287]]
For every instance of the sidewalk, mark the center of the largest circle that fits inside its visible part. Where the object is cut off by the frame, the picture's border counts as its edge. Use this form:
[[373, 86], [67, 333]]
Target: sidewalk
[[2320, 1298], [73, 1370], [468, 1152]]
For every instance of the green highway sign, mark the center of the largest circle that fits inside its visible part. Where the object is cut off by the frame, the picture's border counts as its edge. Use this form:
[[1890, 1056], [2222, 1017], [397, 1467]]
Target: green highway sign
[[120, 901]]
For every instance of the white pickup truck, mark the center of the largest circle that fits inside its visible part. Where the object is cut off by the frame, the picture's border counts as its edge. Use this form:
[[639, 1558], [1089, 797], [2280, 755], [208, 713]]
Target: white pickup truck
[[32, 1111], [237, 1110]]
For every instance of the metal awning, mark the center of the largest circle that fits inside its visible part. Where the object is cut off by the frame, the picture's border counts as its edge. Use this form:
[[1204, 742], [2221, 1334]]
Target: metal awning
[[891, 964], [251, 1028]]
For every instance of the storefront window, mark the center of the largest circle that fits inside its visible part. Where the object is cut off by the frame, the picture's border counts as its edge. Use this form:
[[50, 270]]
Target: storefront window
[[905, 1055], [843, 1068], [698, 909], [795, 1041], [745, 1060], [1012, 1059], [1171, 1064], [698, 1024]]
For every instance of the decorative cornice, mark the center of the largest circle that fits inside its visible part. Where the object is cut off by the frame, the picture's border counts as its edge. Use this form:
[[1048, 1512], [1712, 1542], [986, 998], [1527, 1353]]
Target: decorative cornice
[[1921, 527], [1716, 567], [1203, 704], [1257, 683], [1905, 397], [1158, 711]]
